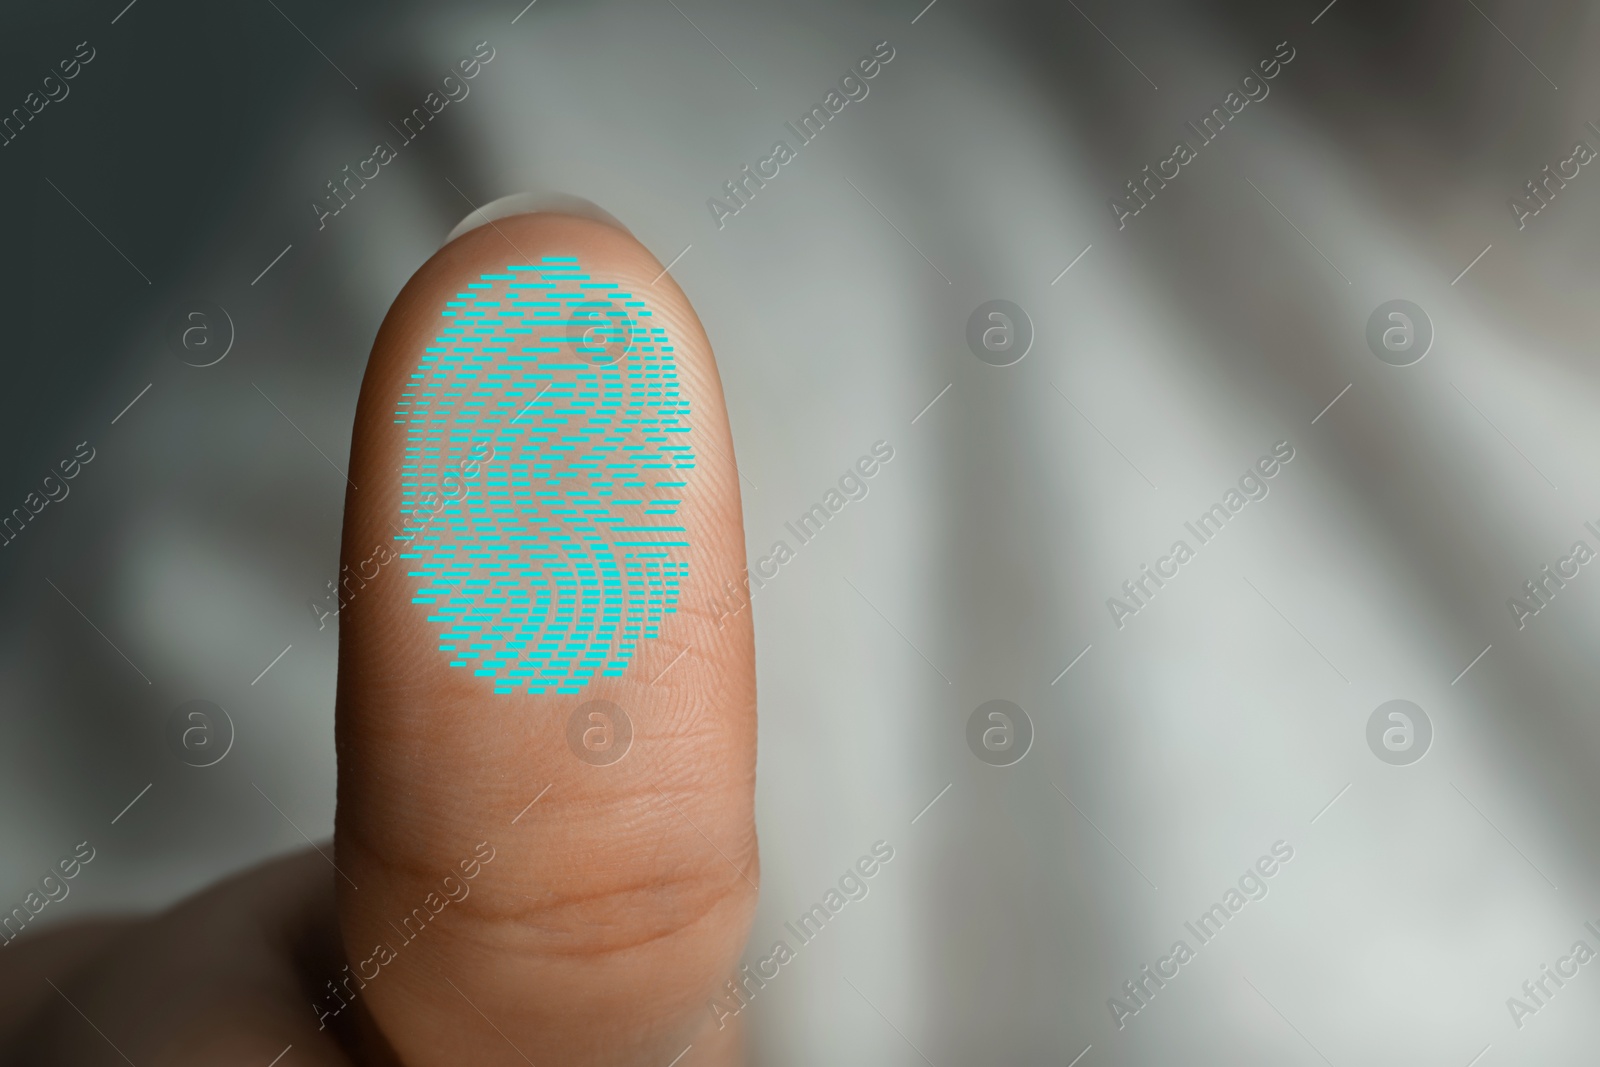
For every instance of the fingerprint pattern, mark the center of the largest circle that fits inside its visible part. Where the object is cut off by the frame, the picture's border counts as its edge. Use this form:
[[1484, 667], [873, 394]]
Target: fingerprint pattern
[[547, 450]]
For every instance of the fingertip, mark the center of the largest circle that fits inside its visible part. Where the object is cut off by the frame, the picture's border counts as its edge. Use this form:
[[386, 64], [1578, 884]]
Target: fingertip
[[534, 202], [548, 506]]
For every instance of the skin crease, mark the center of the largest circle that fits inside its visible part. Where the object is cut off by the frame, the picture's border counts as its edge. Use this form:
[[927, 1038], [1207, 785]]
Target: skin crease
[[613, 909]]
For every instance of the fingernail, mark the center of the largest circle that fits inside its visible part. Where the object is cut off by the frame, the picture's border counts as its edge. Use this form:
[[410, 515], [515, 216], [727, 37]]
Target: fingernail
[[528, 203]]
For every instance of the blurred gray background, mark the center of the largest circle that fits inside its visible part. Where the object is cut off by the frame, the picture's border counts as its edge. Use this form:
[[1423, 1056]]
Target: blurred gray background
[[1224, 318]]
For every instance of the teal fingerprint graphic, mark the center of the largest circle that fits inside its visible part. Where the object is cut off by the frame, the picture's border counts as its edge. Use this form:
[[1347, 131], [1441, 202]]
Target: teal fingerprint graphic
[[547, 449]]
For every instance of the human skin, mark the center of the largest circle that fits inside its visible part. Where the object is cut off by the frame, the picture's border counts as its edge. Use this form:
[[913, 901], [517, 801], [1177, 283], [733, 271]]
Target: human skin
[[613, 910]]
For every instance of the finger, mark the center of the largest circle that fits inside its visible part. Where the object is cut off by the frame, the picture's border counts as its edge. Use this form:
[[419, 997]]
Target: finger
[[221, 978], [546, 521], [60, 952]]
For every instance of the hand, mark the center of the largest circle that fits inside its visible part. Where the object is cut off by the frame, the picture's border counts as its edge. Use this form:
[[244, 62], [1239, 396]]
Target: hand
[[462, 923]]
